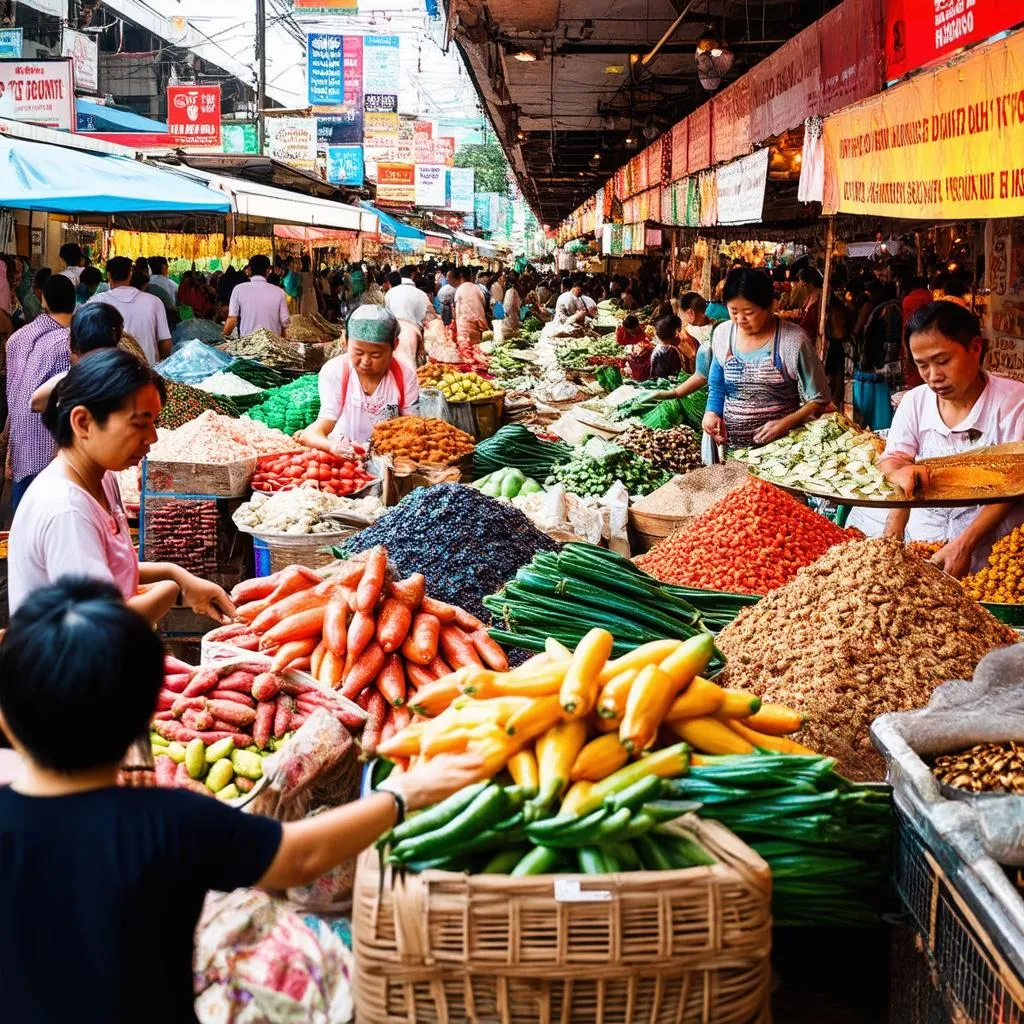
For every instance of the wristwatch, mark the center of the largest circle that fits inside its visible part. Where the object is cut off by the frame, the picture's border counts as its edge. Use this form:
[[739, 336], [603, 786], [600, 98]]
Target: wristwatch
[[399, 803]]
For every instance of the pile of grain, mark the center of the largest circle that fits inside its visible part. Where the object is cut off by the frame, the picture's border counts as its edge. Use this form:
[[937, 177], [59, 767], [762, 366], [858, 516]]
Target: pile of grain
[[694, 493], [868, 628]]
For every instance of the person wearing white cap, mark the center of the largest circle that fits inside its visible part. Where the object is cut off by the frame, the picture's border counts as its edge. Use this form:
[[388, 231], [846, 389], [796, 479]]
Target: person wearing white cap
[[366, 385]]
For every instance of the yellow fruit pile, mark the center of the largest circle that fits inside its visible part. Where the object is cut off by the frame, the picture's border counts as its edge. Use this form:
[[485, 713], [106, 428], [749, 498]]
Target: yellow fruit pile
[[466, 387], [1002, 580]]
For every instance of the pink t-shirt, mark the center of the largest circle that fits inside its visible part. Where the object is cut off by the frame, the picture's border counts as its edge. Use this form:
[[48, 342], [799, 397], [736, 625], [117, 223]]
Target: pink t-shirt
[[918, 432], [61, 530]]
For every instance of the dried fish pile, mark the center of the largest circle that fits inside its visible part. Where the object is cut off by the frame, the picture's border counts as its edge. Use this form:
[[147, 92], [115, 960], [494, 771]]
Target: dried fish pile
[[985, 768], [265, 347], [868, 628]]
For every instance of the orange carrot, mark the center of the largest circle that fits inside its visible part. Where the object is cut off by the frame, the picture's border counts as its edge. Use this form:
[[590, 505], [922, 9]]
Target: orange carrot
[[255, 589], [360, 632], [409, 591], [299, 664], [363, 670], [291, 605], [336, 623], [316, 658], [457, 648], [376, 711], [348, 574], [439, 668], [287, 653], [418, 675], [373, 579], [296, 627], [439, 609], [489, 650], [420, 645], [332, 669], [391, 681], [394, 619], [470, 623]]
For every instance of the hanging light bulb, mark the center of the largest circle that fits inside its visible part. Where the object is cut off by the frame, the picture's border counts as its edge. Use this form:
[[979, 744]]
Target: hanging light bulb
[[708, 40], [650, 129]]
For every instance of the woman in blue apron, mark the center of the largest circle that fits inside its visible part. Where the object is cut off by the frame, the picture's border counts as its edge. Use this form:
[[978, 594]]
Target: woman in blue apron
[[766, 377]]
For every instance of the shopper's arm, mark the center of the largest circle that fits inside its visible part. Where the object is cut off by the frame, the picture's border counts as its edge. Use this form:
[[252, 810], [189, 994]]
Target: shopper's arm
[[202, 596], [315, 845], [155, 601], [229, 326], [317, 435], [955, 556]]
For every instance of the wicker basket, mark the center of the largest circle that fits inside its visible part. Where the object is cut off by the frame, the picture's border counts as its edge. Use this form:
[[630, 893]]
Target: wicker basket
[[306, 549], [649, 527], [688, 946]]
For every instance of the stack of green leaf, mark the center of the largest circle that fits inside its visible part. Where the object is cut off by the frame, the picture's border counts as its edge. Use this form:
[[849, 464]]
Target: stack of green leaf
[[609, 377], [575, 353], [593, 468], [676, 412], [291, 407], [566, 593], [265, 377], [826, 839], [514, 445]]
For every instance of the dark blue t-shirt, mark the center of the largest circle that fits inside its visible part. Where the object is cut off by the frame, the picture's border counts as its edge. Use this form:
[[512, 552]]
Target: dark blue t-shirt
[[100, 894]]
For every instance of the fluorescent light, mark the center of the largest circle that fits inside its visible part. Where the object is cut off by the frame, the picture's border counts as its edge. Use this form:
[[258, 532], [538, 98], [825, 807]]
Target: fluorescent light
[[526, 56]]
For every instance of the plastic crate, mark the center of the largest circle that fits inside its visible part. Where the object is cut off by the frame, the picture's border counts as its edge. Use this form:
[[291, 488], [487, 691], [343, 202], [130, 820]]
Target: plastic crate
[[977, 982]]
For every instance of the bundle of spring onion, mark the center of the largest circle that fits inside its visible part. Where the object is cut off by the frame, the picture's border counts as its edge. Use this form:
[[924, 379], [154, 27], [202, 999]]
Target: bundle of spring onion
[[513, 445], [564, 594], [825, 838]]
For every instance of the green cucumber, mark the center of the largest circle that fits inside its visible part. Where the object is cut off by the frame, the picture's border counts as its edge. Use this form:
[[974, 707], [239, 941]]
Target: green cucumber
[[669, 810], [488, 808], [438, 815], [603, 830], [640, 824], [540, 830], [590, 861], [503, 862], [625, 856], [539, 861], [652, 854], [683, 851], [635, 795]]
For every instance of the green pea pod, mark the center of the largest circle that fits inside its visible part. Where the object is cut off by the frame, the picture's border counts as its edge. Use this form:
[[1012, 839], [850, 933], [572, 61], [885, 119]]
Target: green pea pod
[[486, 810], [503, 862], [539, 861], [635, 795], [438, 815], [590, 861], [569, 825]]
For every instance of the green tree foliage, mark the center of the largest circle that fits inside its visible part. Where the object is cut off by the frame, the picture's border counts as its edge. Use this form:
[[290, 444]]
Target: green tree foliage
[[488, 162]]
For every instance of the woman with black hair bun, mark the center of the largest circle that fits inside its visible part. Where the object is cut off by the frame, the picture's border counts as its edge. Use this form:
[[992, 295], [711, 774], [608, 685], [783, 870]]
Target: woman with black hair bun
[[72, 521]]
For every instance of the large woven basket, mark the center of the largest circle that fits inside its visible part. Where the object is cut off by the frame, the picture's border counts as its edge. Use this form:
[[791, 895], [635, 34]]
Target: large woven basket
[[687, 947]]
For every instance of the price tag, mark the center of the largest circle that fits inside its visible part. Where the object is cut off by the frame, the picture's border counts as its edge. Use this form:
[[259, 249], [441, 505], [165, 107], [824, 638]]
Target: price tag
[[567, 890]]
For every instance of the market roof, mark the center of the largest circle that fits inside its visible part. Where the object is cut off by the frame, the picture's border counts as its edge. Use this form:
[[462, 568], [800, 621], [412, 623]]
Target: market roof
[[276, 205], [393, 225], [56, 179], [587, 88], [482, 246], [95, 117]]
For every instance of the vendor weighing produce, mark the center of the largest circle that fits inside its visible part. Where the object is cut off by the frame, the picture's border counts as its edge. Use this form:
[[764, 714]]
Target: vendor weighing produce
[[765, 377], [72, 521], [958, 408], [364, 386]]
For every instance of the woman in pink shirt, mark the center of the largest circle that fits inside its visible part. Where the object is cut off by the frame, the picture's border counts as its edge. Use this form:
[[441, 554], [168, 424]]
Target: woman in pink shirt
[[959, 407], [470, 310], [72, 520]]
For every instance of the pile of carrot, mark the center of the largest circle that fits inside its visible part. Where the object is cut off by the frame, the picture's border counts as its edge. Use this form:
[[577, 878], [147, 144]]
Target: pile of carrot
[[752, 541], [374, 638]]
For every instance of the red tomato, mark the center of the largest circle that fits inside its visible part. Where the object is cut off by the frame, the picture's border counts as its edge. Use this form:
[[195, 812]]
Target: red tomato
[[346, 487], [347, 471]]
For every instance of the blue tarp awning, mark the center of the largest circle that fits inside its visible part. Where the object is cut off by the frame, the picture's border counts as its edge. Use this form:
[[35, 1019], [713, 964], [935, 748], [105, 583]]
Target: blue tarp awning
[[393, 225], [94, 117], [55, 179]]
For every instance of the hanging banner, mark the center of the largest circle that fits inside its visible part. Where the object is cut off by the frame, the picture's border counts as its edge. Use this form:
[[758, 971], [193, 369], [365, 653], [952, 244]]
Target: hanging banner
[[396, 183], [920, 32], [740, 189], [945, 145], [84, 52], [380, 103], [707, 185], [785, 87], [730, 121], [193, 115], [460, 189], [444, 150], [852, 62], [380, 126], [345, 165], [11, 41], [240, 138], [380, 64], [654, 163], [699, 141], [423, 142], [405, 142], [430, 185], [39, 92], [292, 140], [1004, 275], [326, 6], [679, 142], [325, 69]]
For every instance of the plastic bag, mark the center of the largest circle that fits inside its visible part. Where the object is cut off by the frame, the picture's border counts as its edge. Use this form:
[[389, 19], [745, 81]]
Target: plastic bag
[[193, 362]]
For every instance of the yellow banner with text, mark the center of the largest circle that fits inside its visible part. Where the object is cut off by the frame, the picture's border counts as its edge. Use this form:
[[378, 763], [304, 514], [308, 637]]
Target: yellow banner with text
[[946, 145]]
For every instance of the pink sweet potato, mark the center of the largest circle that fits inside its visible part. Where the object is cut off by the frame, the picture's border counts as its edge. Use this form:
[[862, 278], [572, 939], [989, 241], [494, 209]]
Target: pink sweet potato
[[263, 725], [228, 711], [233, 695]]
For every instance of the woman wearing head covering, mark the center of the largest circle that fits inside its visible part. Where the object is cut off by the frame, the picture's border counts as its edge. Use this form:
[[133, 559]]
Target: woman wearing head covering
[[364, 386]]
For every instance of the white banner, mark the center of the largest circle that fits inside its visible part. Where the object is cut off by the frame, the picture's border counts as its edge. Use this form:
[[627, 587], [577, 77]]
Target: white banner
[[38, 91], [292, 140], [461, 189], [85, 55], [741, 189], [430, 185]]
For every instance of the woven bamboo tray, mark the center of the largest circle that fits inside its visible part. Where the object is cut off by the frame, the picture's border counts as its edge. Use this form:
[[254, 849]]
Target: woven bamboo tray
[[687, 947]]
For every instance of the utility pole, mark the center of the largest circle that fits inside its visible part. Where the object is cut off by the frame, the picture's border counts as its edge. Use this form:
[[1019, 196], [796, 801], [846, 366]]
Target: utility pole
[[261, 54]]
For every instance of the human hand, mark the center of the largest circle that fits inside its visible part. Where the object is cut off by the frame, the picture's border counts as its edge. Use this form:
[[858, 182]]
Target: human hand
[[953, 558], [714, 426], [429, 782], [771, 431], [910, 478], [205, 598]]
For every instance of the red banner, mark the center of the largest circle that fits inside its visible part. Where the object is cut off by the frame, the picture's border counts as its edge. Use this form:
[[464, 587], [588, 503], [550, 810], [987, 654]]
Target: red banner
[[654, 163], [852, 60], [785, 87], [680, 140], [730, 121], [193, 115], [919, 32], [699, 145]]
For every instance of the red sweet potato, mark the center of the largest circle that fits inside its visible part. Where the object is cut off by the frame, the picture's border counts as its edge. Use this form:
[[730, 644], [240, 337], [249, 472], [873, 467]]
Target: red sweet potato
[[263, 725]]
